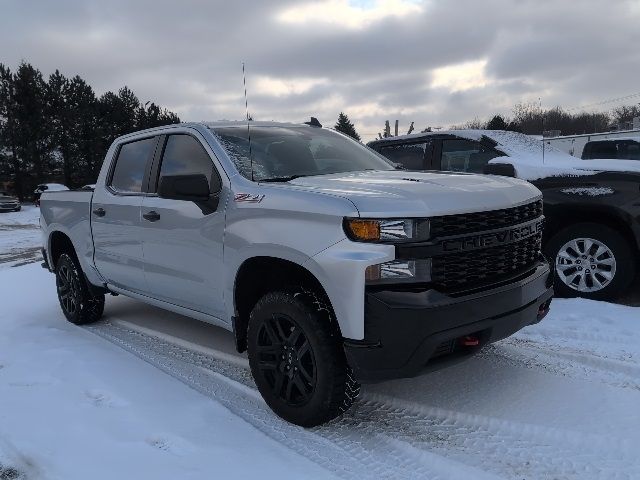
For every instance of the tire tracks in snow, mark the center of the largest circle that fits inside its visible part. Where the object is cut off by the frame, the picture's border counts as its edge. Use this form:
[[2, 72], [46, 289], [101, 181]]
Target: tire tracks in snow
[[385, 437], [561, 360]]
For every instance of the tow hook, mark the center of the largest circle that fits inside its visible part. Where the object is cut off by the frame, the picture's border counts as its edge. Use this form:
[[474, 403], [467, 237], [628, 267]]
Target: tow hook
[[543, 309], [470, 341]]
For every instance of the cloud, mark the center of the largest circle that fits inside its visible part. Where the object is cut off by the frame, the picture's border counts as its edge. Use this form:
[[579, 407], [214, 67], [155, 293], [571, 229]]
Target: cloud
[[435, 63], [341, 13]]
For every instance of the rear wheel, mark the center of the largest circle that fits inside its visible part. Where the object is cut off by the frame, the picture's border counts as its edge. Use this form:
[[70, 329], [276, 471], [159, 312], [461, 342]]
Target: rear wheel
[[78, 303], [297, 360], [591, 261]]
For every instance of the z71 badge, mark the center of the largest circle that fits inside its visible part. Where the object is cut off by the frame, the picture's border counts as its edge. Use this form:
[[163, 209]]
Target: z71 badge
[[247, 198]]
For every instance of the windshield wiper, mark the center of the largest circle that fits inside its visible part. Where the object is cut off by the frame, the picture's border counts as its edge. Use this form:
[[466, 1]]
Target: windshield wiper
[[281, 179]]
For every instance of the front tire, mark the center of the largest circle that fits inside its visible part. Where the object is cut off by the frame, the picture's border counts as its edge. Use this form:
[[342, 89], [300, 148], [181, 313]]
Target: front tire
[[591, 261], [297, 360], [79, 305]]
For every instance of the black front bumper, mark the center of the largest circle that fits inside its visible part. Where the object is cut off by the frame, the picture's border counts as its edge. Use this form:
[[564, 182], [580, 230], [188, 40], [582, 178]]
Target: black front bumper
[[406, 330]]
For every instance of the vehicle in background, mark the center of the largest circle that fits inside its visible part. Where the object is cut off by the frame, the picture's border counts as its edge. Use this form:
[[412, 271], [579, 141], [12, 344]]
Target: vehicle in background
[[574, 144], [47, 187], [9, 203], [624, 148], [328, 264], [592, 209]]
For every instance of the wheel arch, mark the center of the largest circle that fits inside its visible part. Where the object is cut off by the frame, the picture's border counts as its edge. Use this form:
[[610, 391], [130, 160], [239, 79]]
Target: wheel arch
[[563, 216], [59, 243], [259, 275]]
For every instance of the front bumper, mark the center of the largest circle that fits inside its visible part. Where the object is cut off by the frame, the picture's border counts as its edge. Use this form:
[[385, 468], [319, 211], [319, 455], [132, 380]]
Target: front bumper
[[9, 207], [406, 330]]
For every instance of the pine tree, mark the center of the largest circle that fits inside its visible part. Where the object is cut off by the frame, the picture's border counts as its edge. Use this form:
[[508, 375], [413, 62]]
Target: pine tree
[[345, 126], [83, 127], [11, 163], [31, 133], [497, 123], [59, 126], [59, 117]]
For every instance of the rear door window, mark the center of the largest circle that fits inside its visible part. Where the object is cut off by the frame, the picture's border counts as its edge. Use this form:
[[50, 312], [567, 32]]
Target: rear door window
[[608, 150], [632, 151], [131, 164], [410, 155], [462, 155]]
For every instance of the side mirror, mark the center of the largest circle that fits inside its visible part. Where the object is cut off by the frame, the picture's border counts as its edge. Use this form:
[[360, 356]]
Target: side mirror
[[194, 188], [503, 169]]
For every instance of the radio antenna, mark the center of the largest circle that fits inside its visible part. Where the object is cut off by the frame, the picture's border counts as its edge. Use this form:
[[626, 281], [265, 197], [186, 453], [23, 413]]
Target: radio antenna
[[542, 116], [246, 107]]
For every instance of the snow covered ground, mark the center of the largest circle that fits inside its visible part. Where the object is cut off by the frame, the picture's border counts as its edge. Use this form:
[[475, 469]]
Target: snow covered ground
[[150, 394], [20, 240]]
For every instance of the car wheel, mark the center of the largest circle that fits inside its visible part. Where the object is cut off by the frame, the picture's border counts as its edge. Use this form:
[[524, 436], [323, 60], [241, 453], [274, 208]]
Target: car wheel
[[78, 303], [591, 261], [297, 360]]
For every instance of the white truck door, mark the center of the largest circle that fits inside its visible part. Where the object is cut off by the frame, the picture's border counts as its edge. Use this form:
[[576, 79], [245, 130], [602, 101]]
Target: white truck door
[[182, 239], [116, 223]]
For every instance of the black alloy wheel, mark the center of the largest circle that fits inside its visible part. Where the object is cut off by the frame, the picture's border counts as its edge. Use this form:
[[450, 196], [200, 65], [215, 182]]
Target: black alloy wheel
[[68, 290], [286, 360], [80, 304], [297, 359]]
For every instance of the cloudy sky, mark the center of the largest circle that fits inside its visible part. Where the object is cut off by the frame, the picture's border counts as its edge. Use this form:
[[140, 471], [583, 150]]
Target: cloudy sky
[[432, 62]]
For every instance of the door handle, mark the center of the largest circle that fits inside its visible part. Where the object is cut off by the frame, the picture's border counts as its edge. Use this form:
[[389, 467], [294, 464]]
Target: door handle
[[152, 216], [100, 212]]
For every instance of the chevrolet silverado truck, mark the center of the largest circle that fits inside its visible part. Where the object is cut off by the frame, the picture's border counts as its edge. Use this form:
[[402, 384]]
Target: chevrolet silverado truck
[[330, 267], [592, 208]]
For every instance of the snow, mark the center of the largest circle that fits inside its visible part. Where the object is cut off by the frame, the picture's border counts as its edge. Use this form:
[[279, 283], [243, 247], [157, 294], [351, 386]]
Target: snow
[[589, 191], [20, 239], [146, 393], [534, 160], [73, 406]]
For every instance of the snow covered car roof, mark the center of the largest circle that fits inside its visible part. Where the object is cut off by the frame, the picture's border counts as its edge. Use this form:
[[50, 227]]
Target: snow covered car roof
[[51, 187], [532, 159]]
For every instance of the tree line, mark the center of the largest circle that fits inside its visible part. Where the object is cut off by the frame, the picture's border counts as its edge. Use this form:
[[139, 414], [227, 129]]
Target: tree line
[[531, 119], [57, 129]]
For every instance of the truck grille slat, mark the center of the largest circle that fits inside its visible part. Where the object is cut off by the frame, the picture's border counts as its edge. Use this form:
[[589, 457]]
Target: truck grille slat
[[459, 224], [489, 265], [485, 266]]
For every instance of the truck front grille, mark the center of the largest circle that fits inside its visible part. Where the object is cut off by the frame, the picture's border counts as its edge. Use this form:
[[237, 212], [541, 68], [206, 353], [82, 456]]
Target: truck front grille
[[479, 221], [485, 266]]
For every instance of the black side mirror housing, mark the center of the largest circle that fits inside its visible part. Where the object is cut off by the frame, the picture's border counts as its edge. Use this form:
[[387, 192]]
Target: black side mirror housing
[[503, 169], [194, 188]]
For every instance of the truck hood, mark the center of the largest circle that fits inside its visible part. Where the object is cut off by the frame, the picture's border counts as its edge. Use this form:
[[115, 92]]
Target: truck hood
[[414, 194]]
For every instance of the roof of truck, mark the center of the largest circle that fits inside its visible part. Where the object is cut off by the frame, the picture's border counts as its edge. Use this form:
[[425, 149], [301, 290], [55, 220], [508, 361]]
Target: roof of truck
[[217, 124], [617, 139]]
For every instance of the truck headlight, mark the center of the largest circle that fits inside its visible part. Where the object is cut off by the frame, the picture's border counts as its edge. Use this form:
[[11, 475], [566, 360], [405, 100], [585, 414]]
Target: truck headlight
[[399, 271], [387, 231]]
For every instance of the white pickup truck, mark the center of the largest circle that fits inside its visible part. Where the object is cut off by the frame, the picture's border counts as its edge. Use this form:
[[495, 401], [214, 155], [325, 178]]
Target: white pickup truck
[[330, 266]]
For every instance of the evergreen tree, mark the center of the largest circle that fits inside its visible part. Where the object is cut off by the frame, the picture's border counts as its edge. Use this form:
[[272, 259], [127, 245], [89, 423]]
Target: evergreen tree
[[31, 122], [11, 163], [497, 123], [83, 127], [345, 126], [59, 117], [59, 127]]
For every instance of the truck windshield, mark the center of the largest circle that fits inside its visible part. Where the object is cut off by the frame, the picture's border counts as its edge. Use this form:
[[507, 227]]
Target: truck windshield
[[283, 153]]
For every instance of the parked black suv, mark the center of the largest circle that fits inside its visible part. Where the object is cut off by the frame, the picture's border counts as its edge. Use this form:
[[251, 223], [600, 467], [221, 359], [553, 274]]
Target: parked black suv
[[592, 230]]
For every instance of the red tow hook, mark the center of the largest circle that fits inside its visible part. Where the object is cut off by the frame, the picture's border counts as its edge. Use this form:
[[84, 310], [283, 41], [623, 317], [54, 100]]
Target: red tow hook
[[543, 310], [470, 341]]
